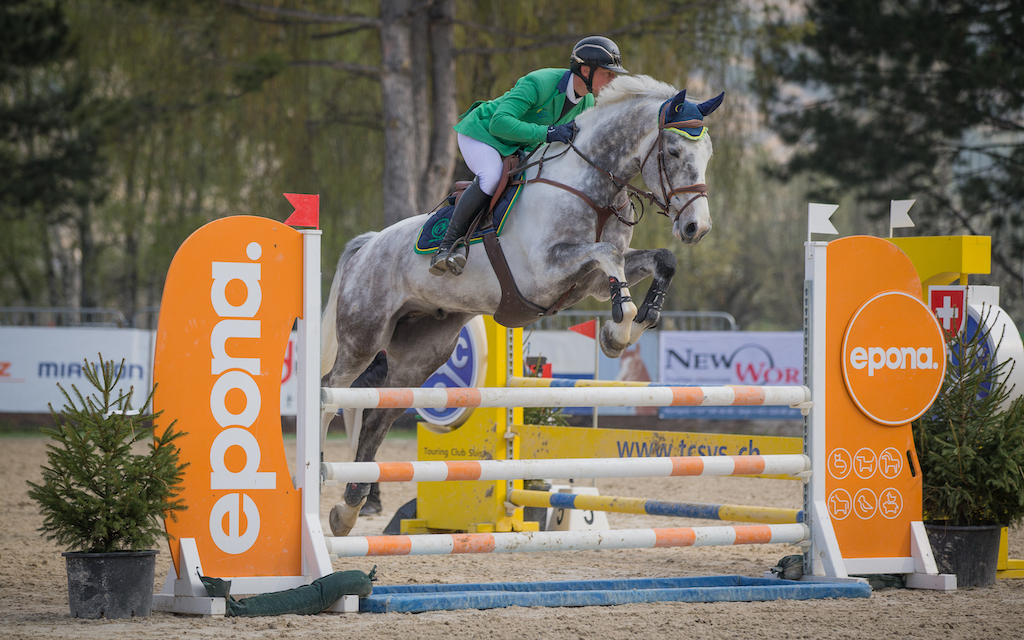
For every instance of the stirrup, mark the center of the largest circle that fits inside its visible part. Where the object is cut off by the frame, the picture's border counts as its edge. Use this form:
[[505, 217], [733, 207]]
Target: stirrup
[[439, 262], [457, 256]]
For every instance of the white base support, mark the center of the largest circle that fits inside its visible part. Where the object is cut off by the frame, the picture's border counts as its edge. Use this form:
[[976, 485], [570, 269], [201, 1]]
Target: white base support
[[185, 592], [821, 579], [937, 582], [576, 519], [204, 606], [827, 559], [926, 573], [347, 604]]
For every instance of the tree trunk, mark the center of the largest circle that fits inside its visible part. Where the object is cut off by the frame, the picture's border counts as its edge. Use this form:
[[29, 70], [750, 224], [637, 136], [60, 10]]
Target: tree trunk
[[397, 98], [87, 267], [420, 77], [436, 178]]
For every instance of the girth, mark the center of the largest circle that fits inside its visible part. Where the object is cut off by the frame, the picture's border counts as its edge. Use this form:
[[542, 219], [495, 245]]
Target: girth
[[514, 310]]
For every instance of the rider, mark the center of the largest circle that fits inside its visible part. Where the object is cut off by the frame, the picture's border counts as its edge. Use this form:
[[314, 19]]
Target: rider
[[541, 107]]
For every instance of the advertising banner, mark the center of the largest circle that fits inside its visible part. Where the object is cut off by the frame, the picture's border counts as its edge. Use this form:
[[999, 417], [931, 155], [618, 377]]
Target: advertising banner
[[34, 359], [572, 355], [715, 358]]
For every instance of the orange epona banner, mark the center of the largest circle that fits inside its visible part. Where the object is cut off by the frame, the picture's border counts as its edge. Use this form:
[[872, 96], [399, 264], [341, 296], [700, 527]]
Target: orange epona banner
[[889, 369], [232, 294]]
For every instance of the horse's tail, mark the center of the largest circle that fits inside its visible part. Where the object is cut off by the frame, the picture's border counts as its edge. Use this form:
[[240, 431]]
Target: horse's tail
[[329, 319]]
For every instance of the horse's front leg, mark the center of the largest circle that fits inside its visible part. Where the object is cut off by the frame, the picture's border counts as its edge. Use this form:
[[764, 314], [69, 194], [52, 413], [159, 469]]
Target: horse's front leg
[[661, 263], [376, 424], [578, 261]]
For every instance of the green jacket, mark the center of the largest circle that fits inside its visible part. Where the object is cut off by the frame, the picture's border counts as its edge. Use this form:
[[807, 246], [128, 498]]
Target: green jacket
[[520, 118]]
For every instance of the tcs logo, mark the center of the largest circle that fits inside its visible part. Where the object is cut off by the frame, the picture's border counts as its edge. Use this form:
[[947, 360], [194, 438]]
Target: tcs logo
[[893, 358]]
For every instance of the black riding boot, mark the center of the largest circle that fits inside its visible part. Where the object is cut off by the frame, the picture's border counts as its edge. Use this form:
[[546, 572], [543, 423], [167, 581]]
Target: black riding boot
[[466, 209]]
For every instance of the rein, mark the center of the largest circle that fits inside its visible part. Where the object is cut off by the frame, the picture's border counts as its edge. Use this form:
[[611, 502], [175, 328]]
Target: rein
[[606, 212]]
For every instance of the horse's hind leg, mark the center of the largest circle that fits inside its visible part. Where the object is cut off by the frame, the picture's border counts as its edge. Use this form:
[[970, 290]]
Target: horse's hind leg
[[640, 264], [418, 346]]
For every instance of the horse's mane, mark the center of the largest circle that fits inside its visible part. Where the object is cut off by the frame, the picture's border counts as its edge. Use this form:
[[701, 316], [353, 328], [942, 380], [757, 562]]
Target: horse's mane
[[638, 86]]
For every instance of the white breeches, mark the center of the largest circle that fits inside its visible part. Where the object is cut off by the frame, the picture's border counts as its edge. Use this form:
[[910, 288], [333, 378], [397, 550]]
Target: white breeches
[[483, 160]]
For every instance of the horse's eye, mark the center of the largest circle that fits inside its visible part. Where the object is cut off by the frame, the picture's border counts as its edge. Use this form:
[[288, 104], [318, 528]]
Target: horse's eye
[[674, 153]]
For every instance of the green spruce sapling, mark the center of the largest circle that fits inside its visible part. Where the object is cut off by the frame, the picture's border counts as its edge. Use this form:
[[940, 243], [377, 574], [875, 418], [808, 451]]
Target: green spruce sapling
[[97, 495], [970, 446]]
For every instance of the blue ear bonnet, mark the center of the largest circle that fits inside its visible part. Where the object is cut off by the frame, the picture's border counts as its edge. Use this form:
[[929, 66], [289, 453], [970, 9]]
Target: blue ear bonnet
[[678, 109], [683, 111]]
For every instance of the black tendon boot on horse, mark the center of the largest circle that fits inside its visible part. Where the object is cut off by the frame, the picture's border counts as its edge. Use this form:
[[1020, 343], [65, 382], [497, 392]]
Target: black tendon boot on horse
[[447, 259]]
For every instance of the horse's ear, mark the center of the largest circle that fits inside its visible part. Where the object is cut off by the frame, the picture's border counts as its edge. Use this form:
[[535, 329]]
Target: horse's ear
[[712, 104], [677, 103]]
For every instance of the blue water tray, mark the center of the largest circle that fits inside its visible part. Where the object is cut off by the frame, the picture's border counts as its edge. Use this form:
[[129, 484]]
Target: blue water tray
[[583, 593]]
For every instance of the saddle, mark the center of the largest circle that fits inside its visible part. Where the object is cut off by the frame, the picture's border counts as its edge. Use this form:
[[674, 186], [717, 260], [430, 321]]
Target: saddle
[[494, 215], [514, 310]]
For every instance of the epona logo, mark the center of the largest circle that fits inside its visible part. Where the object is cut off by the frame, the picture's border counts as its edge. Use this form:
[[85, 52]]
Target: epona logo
[[893, 358], [875, 358]]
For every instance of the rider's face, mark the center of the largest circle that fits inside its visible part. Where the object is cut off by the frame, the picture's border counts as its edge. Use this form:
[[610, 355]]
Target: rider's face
[[602, 77]]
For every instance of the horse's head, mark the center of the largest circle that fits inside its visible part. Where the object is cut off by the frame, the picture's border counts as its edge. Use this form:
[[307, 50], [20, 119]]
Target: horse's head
[[676, 163]]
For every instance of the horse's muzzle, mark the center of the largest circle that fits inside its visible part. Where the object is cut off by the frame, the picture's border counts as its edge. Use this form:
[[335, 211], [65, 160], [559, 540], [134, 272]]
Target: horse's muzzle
[[691, 233], [690, 227]]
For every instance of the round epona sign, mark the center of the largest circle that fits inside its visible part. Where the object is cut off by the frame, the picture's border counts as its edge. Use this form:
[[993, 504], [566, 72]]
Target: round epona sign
[[894, 358]]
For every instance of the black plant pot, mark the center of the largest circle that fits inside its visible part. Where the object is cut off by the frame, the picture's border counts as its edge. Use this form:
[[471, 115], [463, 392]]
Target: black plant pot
[[111, 585], [972, 553]]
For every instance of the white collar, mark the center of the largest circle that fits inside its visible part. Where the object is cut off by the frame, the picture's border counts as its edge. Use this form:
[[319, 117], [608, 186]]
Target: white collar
[[570, 91]]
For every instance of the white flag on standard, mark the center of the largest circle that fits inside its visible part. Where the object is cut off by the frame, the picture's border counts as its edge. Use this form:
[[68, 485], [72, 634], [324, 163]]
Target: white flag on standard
[[898, 214], [818, 219]]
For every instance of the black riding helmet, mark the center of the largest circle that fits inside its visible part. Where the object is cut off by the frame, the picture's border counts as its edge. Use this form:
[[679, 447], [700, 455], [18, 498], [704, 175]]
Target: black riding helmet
[[595, 52]]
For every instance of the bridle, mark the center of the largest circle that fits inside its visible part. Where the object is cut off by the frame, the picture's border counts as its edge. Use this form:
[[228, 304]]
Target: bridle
[[606, 212], [699, 188]]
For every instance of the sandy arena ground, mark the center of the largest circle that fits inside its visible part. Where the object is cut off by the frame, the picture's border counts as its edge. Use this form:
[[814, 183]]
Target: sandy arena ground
[[33, 588]]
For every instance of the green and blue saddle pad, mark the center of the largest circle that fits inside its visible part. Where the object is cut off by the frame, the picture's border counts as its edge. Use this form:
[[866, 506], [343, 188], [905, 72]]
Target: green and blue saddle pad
[[433, 230]]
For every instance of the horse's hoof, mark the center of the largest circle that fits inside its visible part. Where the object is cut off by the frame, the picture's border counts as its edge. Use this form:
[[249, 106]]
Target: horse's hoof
[[613, 340], [610, 351], [343, 518]]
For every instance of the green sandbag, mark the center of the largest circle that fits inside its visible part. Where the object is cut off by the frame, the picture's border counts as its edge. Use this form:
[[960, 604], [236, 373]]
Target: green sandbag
[[310, 599]]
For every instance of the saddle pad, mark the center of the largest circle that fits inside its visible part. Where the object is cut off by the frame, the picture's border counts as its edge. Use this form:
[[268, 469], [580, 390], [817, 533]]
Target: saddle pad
[[433, 230]]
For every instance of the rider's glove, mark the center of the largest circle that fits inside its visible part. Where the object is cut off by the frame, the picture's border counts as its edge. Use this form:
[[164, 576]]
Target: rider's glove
[[562, 132]]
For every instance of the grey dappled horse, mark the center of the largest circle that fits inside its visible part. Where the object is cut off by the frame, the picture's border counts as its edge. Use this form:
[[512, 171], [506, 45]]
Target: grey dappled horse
[[383, 297]]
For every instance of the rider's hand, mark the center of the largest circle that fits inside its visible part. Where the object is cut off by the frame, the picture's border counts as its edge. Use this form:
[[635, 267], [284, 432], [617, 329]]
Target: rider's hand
[[562, 132]]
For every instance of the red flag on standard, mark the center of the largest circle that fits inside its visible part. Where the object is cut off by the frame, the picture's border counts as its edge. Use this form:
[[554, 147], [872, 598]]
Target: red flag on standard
[[588, 329], [307, 210]]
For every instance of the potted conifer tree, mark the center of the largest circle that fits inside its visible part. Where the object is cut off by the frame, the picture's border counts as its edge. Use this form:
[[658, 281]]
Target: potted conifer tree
[[970, 445], [104, 497]]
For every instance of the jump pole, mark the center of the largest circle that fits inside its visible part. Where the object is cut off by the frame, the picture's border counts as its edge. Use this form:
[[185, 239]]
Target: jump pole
[[542, 541], [643, 506], [476, 470]]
